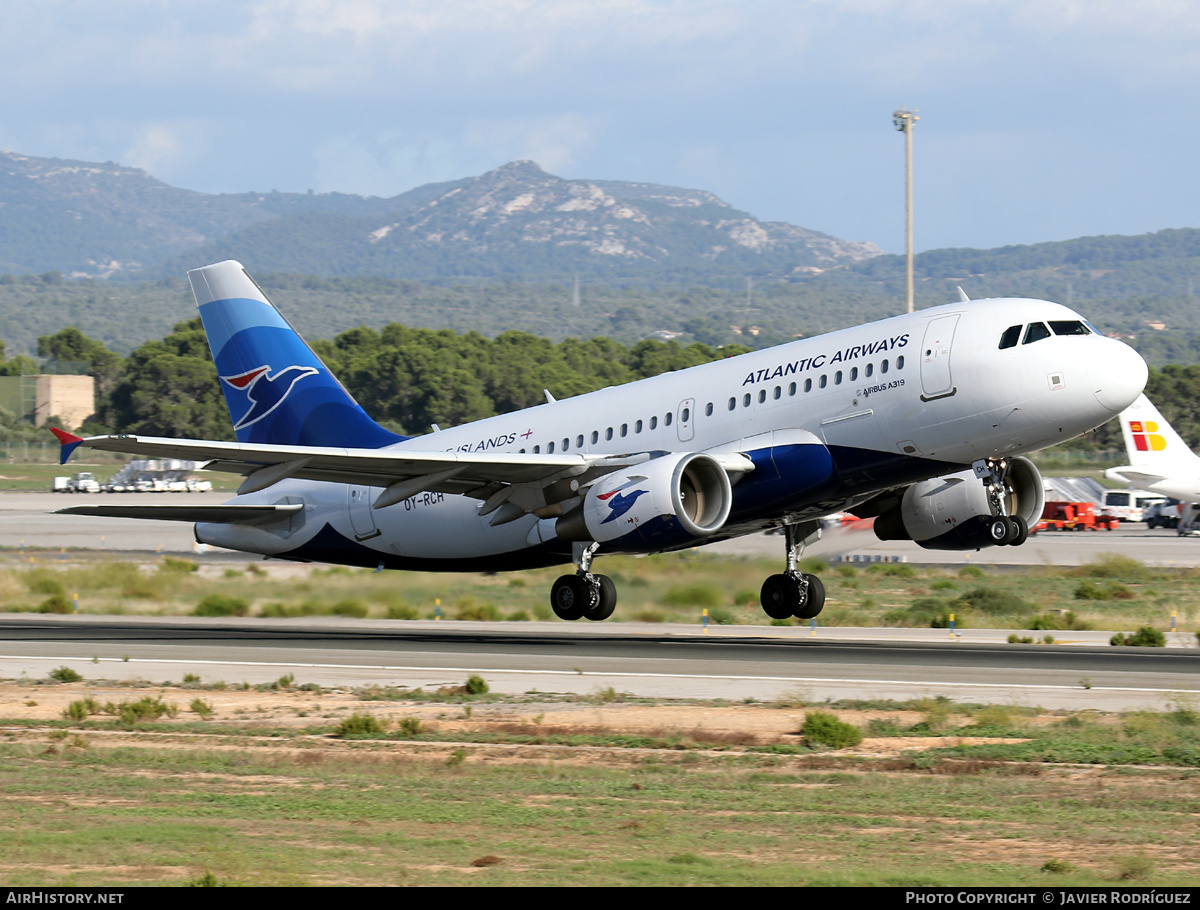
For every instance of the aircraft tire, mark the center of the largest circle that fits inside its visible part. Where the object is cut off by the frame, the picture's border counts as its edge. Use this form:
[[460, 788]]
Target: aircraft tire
[[780, 596], [570, 596], [815, 600], [1022, 534], [606, 603], [999, 531]]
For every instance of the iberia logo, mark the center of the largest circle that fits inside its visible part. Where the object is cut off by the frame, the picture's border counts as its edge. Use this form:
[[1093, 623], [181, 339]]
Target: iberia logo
[[265, 390], [1145, 436]]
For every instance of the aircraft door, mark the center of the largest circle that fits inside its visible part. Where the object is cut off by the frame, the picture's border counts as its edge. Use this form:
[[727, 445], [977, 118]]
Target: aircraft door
[[936, 381], [362, 516], [685, 419]]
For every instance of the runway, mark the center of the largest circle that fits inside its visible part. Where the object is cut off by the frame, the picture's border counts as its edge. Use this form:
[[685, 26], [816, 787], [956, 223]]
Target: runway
[[729, 662], [732, 663]]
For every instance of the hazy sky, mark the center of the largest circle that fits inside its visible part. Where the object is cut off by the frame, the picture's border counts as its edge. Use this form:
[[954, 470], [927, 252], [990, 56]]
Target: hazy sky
[[1040, 119]]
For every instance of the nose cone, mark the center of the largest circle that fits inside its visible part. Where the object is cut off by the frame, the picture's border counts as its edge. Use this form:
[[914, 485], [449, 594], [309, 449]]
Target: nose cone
[[1118, 376]]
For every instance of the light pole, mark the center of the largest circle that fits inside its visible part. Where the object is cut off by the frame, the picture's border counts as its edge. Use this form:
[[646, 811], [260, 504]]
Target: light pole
[[905, 120]]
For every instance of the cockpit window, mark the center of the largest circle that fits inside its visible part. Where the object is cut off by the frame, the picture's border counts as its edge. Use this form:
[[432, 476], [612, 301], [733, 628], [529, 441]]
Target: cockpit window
[[1036, 332], [1010, 337], [1070, 327]]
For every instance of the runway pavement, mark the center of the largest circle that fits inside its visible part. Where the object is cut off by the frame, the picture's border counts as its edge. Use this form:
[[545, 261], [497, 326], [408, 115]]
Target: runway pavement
[[668, 661], [656, 661]]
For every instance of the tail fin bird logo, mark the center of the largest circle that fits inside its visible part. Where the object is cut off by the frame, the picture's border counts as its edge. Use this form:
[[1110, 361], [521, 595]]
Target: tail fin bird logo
[[265, 390]]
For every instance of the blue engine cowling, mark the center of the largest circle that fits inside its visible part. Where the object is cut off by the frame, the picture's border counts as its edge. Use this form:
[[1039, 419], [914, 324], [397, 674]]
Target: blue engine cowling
[[951, 512]]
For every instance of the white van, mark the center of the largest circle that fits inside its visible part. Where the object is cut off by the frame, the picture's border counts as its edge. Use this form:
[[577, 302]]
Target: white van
[[1128, 505]]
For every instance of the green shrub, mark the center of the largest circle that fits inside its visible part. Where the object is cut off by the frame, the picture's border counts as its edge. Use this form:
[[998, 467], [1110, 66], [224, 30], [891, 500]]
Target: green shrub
[[56, 603], [1090, 590], [824, 729], [892, 569], [700, 595], [648, 614], [65, 675], [970, 572], [992, 601], [203, 708], [470, 610], [147, 708], [221, 605], [411, 726], [1145, 637], [81, 709], [722, 616], [1113, 565], [43, 581], [402, 611], [173, 564], [359, 725], [477, 685], [349, 607]]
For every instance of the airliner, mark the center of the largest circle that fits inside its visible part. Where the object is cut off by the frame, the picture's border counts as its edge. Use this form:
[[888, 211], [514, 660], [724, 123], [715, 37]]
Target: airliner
[[922, 421], [1161, 462]]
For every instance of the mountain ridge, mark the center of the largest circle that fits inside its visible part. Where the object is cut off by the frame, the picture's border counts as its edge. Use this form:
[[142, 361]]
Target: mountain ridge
[[87, 219]]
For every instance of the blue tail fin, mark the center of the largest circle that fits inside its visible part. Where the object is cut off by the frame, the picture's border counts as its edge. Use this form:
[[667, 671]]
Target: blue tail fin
[[277, 389]]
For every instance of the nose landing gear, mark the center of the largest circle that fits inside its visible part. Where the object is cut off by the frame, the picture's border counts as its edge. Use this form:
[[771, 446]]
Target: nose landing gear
[[1004, 529]]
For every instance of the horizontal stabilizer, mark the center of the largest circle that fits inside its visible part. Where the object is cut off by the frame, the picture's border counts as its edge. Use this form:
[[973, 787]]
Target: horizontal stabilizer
[[1140, 478], [222, 514]]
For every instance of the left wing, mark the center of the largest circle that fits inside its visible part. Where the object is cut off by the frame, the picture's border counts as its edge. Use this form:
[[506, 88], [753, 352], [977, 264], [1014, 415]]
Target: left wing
[[520, 483]]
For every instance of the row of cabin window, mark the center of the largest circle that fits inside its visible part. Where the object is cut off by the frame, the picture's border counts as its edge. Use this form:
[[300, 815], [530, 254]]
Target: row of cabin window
[[638, 426], [822, 382], [686, 414]]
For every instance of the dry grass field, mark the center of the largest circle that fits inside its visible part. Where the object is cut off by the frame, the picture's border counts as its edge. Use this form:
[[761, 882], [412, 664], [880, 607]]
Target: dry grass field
[[113, 784]]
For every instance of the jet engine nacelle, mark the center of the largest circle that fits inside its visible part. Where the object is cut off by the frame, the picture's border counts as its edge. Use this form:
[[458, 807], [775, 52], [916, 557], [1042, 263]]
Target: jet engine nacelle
[[951, 512], [663, 501]]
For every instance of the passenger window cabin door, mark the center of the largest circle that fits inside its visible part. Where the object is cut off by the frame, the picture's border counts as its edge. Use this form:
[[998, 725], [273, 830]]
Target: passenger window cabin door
[[685, 419]]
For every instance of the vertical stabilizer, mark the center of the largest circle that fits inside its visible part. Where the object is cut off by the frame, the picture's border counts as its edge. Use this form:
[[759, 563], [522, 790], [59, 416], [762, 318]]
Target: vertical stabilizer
[[1149, 439], [277, 389]]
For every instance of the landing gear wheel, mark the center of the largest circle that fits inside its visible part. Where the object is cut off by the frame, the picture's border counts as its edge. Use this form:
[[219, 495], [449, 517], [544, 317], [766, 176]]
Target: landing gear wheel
[[814, 601], [1022, 534], [606, 600], [999, 531], [570, 597], [780, 596]]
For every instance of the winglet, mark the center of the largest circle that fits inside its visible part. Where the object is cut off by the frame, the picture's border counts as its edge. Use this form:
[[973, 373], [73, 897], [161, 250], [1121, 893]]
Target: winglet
[[962, 296], [70, 442]]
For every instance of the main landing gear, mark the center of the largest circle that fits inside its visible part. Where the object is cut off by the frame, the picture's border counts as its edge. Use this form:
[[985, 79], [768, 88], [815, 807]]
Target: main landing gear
[[584, 595], [795, 593], [1004, 529]]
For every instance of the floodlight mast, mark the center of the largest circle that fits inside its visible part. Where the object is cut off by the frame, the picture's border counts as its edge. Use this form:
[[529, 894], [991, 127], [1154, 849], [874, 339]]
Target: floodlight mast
[[904, 121]]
